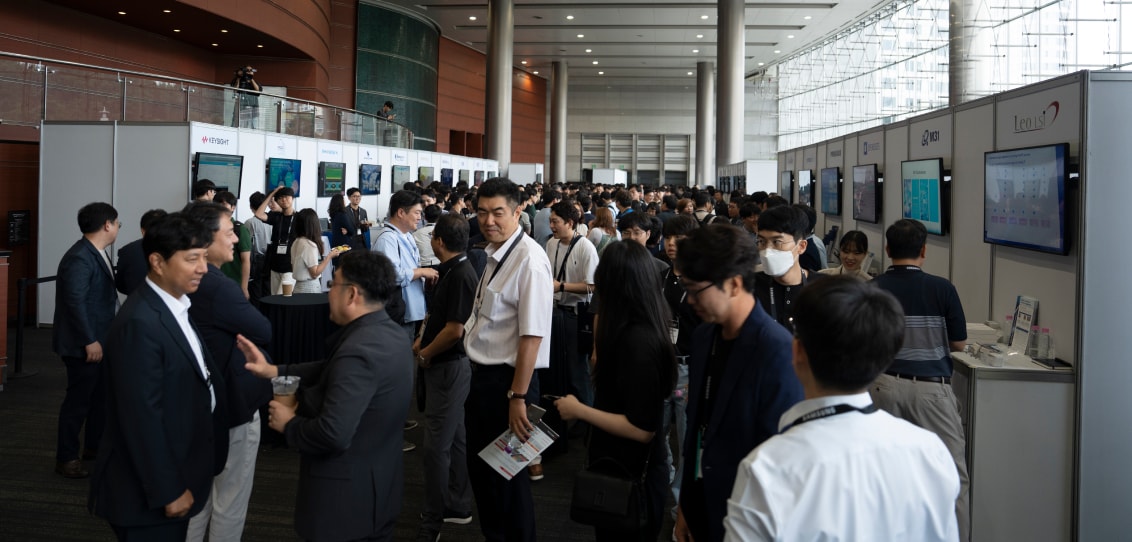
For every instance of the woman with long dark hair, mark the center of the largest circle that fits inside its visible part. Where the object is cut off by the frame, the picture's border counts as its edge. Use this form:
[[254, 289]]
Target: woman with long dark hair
[[340, 221], [306, 252], [635, 374]]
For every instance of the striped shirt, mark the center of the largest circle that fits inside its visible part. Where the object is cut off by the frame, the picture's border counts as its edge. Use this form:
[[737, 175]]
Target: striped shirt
[[933, 318]]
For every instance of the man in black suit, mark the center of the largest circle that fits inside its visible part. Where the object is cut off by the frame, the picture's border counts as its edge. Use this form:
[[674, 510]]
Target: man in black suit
[[351, 409], [84, 307], [350, 227], [220, 312], [165, 434], [132, 266]]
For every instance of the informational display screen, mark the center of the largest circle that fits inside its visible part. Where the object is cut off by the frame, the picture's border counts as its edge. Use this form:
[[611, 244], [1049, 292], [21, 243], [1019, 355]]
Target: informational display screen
[[284, 172], [1025, 198], [446, 177], [400, 177], [923, 186], [224, 170], [786, 185], [425, 175], [806, 187], [331, 178], [866, 194], [370, 179], [830, 192]]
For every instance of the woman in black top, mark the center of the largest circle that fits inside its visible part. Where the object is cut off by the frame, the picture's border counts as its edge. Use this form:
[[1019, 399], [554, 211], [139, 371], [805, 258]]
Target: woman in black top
[[636, 373]]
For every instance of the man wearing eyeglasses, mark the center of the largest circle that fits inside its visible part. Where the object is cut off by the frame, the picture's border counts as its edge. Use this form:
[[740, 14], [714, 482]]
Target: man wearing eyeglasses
[[740, 378], [781, 241]]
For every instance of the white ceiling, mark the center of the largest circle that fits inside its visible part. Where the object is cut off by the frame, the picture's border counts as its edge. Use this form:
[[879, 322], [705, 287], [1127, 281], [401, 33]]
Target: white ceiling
[[640, 42]]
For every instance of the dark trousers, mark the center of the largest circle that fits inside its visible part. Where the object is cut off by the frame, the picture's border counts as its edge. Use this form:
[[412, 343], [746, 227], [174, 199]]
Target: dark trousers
[[83, 404], [506, 510], [165, 532], [445, 442]]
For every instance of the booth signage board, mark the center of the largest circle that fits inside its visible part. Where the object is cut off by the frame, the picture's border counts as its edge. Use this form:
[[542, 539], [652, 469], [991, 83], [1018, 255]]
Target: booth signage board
[[329, 152], [446, 161], [424, 159], [931, 138], [19, 227], [281, 147], [870, 148], [217, 139], [367, 155], [1042, 118], [400, 157], [790, 160], [834, 153], [810, 158]]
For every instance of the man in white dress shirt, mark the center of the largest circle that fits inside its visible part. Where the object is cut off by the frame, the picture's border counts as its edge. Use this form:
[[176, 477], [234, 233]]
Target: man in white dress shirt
[[842, 469], [506, 338]]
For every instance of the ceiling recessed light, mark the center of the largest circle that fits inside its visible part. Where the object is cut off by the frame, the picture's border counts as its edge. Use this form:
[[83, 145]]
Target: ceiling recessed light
[[601, 73], [790, 36], [589, 50], [216, 45], [691, 73], [523, 62], [761, 63], [471, 17], [536, 72], [121, 13], [222, 31], [776, 51], [569, 17], [581, 35], [807, 17], [695, 50], [703, 17], [595, 63], [699, 36], [176, 29], [166, 11], [259, 46]]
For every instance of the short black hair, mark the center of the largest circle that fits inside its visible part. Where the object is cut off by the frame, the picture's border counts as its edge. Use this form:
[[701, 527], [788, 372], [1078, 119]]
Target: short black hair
[[403, 200], [95, 215], [452, 230], [388, 104], [637, 219], [256, 199], [670, 202], [785, 219], [850, 330], [680, 225], [352, 191], [749, 210], [550, 196], [500, 186], [717, 252], [566, 211], [905, 239], [623, 198], [854, 239], [173, 233], [811, 216], [759, 197], [372, 272], [207, 213], [225, 197], [775, 201], [151, 216], [585, 201], [701, 198], [202, 187], [432, 213], [284, 192]]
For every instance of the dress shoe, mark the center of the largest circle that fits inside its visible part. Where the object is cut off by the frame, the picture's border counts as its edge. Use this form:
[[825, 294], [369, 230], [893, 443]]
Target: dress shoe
[[71, 469], [90, 454]]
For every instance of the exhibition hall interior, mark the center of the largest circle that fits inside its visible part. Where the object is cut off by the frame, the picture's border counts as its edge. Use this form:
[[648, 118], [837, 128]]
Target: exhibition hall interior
[[1000, 125]]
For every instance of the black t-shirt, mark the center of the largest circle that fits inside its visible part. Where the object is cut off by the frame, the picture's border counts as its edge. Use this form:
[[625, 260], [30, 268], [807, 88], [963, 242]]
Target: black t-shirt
[[810, 260], [452, 301], [281, 226], [682, 311], [633, 379], [778, 300]]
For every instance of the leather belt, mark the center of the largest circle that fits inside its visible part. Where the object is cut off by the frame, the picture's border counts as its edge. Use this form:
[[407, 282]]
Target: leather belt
[[931, 379]]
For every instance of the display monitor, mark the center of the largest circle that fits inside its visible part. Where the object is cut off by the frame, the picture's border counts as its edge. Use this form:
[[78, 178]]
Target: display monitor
[[867, 189], [369, 176], [479, 178], [400, 177], [331, 178], [1025, 198], [224, 170], [925, 189], [465, 176], [786, 185], [492, 174], [830, 191], [284, 172], [425, 176], [446, 177], [806, 187]]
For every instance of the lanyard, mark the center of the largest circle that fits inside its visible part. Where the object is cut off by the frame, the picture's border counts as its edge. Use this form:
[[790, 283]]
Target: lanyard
[[561, 274], [774, 306], [503, 260], [828, 412], [904, 268]]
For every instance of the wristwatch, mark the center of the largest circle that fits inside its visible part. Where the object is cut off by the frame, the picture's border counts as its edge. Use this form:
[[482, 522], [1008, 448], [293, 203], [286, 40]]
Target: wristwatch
[[512, 395]]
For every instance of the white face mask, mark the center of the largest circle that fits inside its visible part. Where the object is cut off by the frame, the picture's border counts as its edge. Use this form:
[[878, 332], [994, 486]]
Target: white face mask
[[777, 262]]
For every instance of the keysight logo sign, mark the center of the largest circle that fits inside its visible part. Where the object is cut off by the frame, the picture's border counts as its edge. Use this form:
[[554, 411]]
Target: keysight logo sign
[[214, 140], [1039, 121]]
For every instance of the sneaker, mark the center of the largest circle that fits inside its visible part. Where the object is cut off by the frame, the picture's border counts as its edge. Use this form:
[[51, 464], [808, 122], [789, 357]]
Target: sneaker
[[536, 472], [407, 446], [411, 424], [457, 517]]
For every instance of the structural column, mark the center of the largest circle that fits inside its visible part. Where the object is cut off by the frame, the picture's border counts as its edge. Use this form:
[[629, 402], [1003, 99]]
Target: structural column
[[729, 104], [559, 81], [500, 45], [970, 54], [705, 123]]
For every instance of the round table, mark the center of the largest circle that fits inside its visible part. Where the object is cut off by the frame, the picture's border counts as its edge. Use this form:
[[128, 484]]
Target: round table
[[299, 326]]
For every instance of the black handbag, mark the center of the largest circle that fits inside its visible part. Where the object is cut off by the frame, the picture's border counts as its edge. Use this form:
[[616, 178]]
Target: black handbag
[[585, 329], [607, 496]]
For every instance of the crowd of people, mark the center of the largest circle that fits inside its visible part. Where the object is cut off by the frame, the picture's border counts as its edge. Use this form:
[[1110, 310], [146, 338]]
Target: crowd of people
[[699, 341]]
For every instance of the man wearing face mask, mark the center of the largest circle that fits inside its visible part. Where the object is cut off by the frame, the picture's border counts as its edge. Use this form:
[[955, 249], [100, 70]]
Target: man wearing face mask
[[781, 240]]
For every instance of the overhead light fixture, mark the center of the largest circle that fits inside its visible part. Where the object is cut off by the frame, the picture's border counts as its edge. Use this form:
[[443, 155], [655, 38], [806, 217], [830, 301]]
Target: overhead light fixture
[[259, 46], [595, 63], [536, 72], [761, 63], [523, 62], [807, 17], [601, 73], [471, 17], [581, 35], [695, 50], [216, 45], [222, 31], [776, 51], [569, 17], [176, 29], [589, 50], [691, 73], [166, 11], [790, 36], [703, 17], [699, 36], [121, 13]]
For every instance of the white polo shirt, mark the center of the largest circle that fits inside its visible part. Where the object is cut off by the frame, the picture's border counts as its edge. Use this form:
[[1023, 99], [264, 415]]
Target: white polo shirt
[[579, 268], [515, 301]]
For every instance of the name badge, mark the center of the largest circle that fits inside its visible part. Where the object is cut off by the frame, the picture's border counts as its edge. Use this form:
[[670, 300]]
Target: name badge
[[359, 232], [281, 249]]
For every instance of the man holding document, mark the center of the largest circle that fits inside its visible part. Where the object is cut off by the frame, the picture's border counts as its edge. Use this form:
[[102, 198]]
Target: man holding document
[[504, 339]]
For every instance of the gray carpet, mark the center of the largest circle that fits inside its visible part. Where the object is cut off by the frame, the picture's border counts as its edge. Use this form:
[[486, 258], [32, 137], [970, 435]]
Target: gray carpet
[[38, 505]]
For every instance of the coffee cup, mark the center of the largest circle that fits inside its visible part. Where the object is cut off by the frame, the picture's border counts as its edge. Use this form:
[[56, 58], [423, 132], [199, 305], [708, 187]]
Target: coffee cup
[[288, 288], [284, 388]]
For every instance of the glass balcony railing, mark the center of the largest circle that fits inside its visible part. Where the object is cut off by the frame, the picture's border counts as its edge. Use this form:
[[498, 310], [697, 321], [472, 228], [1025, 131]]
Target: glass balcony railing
[[36, 89]]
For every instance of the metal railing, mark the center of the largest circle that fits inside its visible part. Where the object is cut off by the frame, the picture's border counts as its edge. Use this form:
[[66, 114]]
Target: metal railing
[[36, 89]]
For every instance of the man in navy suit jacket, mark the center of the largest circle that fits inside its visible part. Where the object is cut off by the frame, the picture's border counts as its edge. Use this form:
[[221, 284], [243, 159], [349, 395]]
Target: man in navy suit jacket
[[132, 266], [740, 375], [166, 435], [84, 307]]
